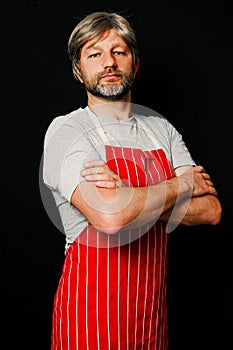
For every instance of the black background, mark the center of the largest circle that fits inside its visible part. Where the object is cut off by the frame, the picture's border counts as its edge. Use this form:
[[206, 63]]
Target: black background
[[186, 74]]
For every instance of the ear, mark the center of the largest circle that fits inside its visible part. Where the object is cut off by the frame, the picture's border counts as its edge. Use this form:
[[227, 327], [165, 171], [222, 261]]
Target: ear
[[77, 73], [136, 68]]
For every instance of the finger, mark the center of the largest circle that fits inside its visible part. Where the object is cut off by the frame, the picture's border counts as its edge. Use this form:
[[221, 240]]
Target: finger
[[91, 171], [94, 163], [98, 177], [206, 176], [204, 190], [105, 184], [209, 183], [199, 168], [212, 191]]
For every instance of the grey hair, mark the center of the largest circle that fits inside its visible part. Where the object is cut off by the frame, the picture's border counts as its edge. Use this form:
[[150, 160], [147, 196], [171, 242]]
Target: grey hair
[[94, 25]]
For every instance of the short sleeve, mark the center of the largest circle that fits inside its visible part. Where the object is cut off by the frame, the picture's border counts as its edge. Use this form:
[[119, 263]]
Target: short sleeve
[[180, 154], [66, 149]]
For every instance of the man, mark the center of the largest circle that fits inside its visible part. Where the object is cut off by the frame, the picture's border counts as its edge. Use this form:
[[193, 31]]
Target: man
[[121, 181]]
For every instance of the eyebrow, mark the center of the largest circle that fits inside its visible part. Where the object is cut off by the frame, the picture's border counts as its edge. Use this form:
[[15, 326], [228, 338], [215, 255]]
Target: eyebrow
[[96, 46]]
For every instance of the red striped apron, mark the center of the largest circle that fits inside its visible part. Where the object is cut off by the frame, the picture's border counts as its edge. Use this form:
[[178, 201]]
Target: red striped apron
[[114, 298]]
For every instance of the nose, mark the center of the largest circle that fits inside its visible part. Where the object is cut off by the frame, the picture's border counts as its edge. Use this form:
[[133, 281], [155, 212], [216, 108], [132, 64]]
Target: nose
[[108, 60]]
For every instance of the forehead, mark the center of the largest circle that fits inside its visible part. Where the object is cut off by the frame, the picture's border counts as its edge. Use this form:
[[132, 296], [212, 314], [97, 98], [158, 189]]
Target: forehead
[[107, 38]]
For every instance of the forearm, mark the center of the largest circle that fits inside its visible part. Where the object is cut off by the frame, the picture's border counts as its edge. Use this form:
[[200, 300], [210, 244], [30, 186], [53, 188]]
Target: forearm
[[110, 210], [195, 211], [180, 199]]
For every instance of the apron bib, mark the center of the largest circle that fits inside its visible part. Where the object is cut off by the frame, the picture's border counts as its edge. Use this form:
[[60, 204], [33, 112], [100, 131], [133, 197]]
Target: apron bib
[[113, 296]]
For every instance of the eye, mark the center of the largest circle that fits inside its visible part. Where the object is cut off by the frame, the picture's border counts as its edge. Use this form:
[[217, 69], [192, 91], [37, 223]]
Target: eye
[[94, 55], [119, 53]]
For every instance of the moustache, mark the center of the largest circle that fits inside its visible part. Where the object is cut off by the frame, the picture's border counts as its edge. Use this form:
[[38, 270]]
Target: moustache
[[107, 71]]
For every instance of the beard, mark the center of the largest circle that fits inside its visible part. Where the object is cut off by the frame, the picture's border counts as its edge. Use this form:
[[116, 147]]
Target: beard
[[112, 91]]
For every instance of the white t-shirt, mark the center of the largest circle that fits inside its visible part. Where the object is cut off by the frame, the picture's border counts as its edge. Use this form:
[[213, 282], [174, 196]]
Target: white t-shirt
[[73, 139]]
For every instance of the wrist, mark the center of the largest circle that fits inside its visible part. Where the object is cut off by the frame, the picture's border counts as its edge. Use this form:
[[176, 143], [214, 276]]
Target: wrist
[[182, 186], [185, 186]]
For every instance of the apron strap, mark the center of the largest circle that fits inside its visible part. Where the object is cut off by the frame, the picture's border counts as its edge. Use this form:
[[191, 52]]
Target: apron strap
[[96, 122], [153, 139]]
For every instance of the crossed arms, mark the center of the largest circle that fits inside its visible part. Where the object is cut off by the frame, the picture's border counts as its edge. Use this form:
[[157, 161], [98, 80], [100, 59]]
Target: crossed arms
[[189, 198]]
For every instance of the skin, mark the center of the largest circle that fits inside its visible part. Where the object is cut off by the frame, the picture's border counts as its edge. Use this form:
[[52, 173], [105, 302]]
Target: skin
[[189, 198], [199, 206]]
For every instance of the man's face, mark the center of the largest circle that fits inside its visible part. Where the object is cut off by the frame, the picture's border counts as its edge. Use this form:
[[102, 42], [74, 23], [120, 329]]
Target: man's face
[[106, 66]]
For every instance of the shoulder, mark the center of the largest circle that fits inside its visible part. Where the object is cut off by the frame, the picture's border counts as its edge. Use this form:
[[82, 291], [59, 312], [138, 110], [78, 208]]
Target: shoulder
[[156, 122], [58, 126]]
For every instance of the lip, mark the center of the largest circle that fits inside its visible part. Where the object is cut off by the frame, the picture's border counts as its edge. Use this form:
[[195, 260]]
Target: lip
[[110, 76]]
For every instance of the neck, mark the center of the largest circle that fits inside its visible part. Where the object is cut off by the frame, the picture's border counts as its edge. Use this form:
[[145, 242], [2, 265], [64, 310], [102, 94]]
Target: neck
[[118, 110]]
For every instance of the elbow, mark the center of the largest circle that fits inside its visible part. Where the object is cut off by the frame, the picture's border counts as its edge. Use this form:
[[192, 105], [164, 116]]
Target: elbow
[[216, 215], [109, 224]]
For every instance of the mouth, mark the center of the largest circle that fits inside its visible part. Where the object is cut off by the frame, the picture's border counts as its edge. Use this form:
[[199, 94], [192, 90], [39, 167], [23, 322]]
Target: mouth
[[111, 76]]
